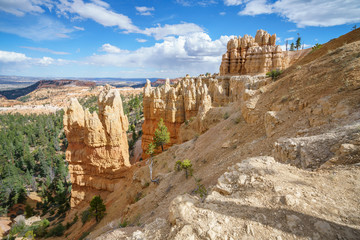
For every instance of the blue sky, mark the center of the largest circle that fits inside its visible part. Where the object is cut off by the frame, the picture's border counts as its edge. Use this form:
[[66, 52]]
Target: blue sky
[[152, 38]]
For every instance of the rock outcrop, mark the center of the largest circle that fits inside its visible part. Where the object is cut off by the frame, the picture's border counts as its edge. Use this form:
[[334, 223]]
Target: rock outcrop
[[248, 55], [175, 105], [98, 148]]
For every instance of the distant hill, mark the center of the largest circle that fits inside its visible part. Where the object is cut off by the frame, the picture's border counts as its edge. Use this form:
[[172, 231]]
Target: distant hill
[[13, 94]]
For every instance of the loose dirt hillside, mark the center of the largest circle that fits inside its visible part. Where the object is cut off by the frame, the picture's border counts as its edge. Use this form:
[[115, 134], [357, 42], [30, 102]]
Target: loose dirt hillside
[[308, 118]]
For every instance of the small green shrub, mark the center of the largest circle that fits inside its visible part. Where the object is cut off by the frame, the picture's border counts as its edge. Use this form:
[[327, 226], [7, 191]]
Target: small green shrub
[[184, 165], [316, 47], [29, 211], [226, 115], [85, 216], [57, 231], [274, 74], [123, 224], [201, 190]]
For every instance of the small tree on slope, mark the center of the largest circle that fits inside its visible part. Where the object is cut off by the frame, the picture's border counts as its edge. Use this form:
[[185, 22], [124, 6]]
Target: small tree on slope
[[97, 208], [161, 136]]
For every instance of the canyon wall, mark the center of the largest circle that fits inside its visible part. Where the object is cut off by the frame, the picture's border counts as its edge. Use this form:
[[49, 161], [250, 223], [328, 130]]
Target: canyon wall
[[98, 148], [248, 55], [175, 105]]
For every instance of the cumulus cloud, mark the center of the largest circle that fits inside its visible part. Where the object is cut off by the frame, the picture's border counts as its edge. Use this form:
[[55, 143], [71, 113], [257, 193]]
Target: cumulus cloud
[[145, 11], [256, 7], [107, 47], [12, 57], [194, 53], [289, 39], [160, 32], [321, 13]]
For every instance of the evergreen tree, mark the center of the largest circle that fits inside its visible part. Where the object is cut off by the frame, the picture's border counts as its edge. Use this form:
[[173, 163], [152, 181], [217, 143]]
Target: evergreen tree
[[292, 47], [298, 43], [162, 135], [97, 208]]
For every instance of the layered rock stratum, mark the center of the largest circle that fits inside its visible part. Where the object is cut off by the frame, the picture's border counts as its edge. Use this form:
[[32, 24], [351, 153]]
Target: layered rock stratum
[[248, 55], [98, 148]]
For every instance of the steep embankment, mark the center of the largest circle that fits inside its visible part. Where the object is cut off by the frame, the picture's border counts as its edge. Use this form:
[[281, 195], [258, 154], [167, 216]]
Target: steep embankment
[[309, 117], [13, 94]]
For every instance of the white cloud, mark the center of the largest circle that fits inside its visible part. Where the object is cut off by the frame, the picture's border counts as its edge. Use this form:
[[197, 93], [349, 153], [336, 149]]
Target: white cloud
[[278, 39], [289, 39], [12, 57], [195, 54], [292, 30], [79, 28], [141, 40], [111, 49], [45, 29], [256, 7], [161, 32], [233, 2], [21, 7], [98, 11], [190, 3], [320, 13], [46, 50], [222, 13], [145, 11]]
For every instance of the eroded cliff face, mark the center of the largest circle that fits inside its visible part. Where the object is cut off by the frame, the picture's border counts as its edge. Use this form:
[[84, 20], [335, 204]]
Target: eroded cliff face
[[175, 105], [248, 55], [98, 148]]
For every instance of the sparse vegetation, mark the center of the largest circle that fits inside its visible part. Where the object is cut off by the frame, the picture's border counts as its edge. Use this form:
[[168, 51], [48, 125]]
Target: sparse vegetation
[[316, 47], [274, 74], [184, 165], [226, 115], [123, 224], [85, 216]]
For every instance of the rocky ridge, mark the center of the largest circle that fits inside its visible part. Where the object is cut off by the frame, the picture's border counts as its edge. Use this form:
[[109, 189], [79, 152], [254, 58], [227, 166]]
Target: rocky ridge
[[308, 119], [98, 148]]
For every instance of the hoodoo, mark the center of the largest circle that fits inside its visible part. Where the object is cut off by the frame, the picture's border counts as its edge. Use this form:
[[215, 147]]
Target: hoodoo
[[248, 55], [98, 149]]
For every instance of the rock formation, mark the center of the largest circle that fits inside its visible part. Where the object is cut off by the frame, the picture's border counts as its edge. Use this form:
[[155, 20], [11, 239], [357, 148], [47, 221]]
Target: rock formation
[[98, 149], [248, 55], [175, 105]]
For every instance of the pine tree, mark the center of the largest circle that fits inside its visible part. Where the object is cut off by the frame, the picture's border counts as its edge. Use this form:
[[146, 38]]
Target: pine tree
[[298, 43], [97, 208], [292, 47], [162, 135]]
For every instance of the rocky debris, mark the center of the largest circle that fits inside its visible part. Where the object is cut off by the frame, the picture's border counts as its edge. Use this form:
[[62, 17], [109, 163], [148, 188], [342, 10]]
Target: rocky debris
[[260, 198], [314, 151], [248, 55], [98, 149], [176, 104]]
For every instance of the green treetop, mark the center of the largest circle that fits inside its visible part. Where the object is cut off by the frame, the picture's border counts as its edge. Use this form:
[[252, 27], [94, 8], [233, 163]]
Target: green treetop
[[97, 208], [162, 135]]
